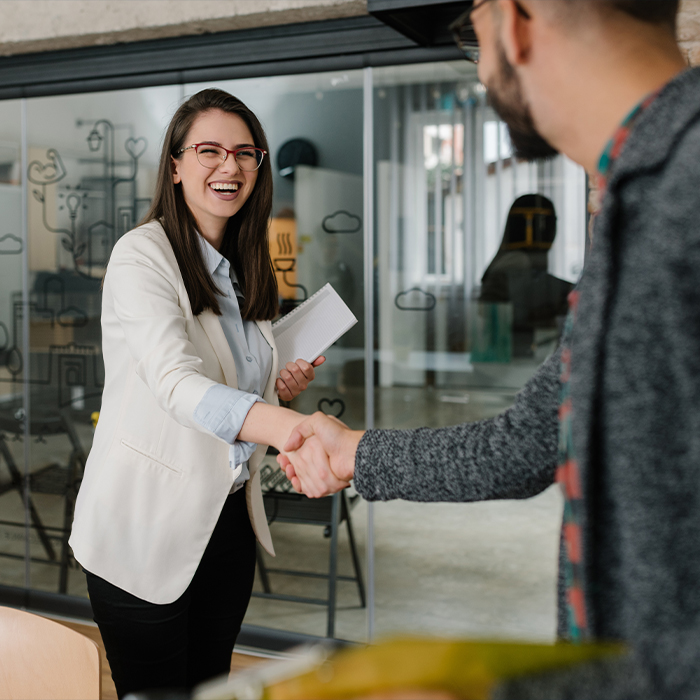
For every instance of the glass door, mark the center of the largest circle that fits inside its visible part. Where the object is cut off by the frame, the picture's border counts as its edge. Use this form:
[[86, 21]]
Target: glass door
[[475, 255], [16, 533], [91, 164], [316, 583]]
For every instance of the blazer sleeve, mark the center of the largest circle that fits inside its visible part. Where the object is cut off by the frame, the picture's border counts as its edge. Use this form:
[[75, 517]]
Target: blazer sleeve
[[513, 455], [144, 292]]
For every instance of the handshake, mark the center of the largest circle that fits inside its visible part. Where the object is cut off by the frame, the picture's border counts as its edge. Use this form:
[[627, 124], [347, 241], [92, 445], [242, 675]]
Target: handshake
[[319, 456]]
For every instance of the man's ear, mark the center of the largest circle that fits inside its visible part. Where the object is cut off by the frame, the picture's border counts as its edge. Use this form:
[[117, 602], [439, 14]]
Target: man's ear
[[515, 32], [175, 169]]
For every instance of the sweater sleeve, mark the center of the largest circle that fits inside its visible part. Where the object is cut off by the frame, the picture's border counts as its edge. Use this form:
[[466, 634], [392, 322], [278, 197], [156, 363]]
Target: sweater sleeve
[[510, 456], [624, 678]]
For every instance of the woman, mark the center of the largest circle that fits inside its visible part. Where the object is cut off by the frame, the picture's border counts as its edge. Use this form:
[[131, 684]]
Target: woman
[[164, 527], [518, 274]]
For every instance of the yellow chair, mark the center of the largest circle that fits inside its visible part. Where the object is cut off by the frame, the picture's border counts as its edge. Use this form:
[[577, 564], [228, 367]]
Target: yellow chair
[[40, 658]]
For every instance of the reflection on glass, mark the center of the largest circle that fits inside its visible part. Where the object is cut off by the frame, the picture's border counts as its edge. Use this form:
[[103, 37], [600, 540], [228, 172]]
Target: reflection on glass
[[518, 279], [314, 128], [13, 532], [91, 165], [468, 305]]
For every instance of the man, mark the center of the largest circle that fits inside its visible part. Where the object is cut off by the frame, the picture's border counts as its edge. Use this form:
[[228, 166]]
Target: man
[[614, 415]]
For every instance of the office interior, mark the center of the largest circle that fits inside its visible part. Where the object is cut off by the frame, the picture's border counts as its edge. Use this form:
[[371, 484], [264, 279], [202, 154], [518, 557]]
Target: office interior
[[393, 183]]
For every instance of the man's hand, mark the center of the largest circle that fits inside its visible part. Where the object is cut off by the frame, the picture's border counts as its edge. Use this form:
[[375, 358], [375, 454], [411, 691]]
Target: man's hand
[[311, 472], [295, 377]]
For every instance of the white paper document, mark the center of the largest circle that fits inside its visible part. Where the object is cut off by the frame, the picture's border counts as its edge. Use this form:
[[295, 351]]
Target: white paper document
[[312, 327]]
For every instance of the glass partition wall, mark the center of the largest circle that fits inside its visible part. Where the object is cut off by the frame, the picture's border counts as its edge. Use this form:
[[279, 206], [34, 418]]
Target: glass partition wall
[[475, 255], [15, 534], [314, 128], [404, 171], [89, 164]]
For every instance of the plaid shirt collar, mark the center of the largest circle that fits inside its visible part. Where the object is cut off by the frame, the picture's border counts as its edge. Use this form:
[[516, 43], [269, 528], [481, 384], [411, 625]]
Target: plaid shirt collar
[[617, 142]]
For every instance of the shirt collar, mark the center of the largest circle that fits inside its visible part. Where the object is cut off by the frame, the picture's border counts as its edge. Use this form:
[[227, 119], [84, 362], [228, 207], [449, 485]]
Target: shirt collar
[[619, 139], [212, 257]]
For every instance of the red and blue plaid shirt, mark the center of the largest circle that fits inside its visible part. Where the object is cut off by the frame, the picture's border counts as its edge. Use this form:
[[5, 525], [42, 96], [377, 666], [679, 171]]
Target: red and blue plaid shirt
[[568, 474]]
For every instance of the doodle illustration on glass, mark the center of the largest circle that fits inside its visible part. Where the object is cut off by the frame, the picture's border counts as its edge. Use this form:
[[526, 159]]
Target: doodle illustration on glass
[[415, 299], [342, 222]]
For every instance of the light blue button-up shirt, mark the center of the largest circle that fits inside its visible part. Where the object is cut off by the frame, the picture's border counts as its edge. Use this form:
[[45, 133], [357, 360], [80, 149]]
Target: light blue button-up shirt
[[223, 409]]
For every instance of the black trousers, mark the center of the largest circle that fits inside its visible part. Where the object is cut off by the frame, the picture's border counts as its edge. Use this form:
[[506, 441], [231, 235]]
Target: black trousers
[[181, 644]]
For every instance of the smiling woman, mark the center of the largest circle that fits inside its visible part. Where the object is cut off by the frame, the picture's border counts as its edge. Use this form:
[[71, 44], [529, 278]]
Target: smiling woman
[[187, 199], [230, 180], [170, 507]]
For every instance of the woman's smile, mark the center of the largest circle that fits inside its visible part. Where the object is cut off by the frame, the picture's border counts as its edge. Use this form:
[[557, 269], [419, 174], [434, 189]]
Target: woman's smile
[[226, 189], [214, 195]]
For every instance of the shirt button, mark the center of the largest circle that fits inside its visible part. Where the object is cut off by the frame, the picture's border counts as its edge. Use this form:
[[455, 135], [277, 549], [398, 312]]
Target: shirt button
[[249, 358]]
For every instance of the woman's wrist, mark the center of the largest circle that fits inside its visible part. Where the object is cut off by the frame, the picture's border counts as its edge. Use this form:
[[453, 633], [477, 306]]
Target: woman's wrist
[[269, 425]]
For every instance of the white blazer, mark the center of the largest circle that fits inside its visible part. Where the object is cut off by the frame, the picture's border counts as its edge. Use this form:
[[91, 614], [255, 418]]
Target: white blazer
[[155, 480]]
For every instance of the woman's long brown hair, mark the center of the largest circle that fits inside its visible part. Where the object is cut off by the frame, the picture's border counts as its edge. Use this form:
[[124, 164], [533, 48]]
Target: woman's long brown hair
[[245, 243]]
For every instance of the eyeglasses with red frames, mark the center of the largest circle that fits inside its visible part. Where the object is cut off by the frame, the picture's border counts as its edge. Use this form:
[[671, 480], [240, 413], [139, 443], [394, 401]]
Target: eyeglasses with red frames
[[463, 32], [211, 155]]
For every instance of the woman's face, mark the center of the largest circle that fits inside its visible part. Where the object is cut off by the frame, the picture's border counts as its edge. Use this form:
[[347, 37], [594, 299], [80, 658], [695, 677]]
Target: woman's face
[[215, 195]]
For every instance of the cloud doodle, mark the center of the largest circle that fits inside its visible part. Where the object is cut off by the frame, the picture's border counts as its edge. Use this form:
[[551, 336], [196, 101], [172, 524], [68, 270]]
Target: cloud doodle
[[342, 222], [415, 299], [10, 245]]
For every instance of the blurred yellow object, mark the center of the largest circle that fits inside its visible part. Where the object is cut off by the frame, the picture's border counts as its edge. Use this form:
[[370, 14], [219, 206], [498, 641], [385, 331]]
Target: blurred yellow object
[[399, 667], [94, 416], [470, 670]]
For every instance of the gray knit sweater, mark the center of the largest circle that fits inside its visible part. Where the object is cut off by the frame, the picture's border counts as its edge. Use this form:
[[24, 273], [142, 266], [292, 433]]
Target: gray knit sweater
[[635, 389]]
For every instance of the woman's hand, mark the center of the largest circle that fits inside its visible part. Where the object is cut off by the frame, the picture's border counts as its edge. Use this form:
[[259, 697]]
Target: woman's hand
[[295, 377], [328, 464]]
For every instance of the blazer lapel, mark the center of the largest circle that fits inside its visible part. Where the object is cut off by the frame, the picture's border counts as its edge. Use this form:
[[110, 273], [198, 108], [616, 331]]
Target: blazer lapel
[[270, 395], [266, 329], [212, 327]]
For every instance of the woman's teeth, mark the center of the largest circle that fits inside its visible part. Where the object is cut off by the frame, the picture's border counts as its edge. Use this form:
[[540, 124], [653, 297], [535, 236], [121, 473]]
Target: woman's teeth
[[224, 186]]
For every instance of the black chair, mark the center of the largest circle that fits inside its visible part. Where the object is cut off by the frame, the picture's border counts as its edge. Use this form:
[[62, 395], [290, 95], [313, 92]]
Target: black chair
[[284, 505], [56, 479]]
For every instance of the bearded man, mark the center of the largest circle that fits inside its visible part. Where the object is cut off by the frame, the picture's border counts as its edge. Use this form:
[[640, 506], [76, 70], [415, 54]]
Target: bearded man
[[614, 414]]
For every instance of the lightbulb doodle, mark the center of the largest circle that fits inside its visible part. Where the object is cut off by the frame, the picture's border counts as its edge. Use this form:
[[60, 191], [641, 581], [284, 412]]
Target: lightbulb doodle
[[89, 237]]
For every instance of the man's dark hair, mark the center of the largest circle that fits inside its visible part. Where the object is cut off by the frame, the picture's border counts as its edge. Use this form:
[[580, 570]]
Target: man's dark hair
[[652, 11], [659, 12]]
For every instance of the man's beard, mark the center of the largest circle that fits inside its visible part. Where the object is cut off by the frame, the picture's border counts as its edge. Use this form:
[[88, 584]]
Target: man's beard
[[506, 97]]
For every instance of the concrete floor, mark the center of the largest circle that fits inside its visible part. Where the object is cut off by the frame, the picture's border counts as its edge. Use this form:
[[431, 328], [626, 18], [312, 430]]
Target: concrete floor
[[468, 570]]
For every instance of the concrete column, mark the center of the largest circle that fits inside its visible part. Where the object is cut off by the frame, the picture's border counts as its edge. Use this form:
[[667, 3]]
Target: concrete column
[[689, 30], [44, 25]]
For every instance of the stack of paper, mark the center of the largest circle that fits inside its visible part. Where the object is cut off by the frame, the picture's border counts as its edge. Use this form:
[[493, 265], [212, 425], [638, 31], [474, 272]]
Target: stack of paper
[[312, 327]]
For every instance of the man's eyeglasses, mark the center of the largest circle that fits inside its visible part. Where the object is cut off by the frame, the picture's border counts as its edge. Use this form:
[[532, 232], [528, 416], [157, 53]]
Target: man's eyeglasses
[[211, 156], [463, 31]]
